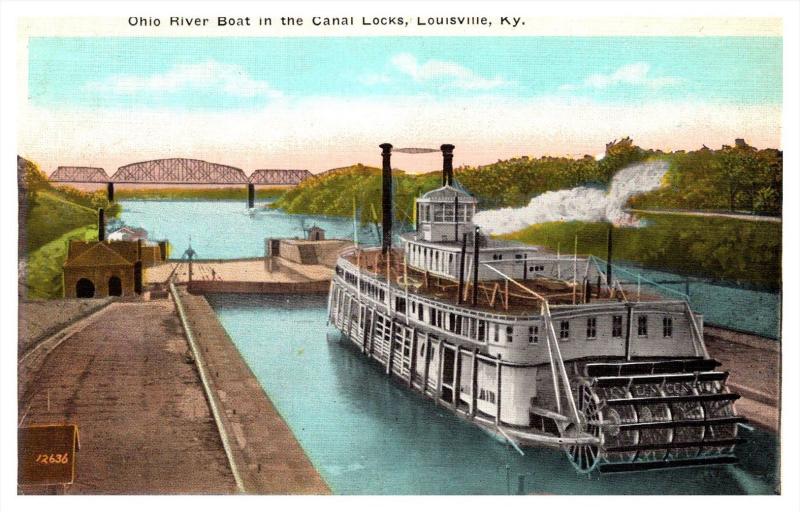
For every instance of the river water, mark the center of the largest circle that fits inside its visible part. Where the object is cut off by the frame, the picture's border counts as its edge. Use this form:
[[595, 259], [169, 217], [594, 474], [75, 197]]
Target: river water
[[367, 434]]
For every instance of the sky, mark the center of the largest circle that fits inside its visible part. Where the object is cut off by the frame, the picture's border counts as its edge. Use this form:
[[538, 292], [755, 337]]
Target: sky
[[321, 103]]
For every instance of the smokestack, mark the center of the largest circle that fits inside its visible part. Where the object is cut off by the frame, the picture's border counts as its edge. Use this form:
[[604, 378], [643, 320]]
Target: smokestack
[[447, 164], [387, 197], [101, 224]]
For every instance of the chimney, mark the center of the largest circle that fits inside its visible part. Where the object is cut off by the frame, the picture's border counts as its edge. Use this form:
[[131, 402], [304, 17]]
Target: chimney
[[447, 164], [101, 225], [387, 197]]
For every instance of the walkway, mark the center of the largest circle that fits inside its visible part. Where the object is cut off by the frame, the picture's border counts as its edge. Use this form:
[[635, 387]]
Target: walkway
[[144, 423]]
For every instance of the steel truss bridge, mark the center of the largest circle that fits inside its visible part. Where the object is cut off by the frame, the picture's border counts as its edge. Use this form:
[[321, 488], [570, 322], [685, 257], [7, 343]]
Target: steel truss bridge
[[179, 171]]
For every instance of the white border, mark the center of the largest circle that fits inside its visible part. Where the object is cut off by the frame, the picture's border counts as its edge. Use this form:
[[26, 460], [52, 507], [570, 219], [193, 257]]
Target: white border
[[9, 18]]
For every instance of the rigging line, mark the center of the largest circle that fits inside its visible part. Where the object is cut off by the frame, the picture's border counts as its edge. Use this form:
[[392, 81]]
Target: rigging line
[[415, 151]]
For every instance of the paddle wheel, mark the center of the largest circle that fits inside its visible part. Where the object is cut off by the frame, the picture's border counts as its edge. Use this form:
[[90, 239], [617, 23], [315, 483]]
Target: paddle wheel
[[655, 414]]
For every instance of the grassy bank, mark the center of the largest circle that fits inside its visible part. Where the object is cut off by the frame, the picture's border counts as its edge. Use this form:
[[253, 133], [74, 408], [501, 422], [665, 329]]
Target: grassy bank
[[44, 265], [742, 252], [49, 217], [196, 194], [52, 216]]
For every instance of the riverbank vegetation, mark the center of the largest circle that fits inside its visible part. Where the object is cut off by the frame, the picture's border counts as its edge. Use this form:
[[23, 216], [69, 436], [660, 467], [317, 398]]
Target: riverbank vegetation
[[48, 217], [730, 178], [44, 265], [47, 212], [737, 178], [504, 183], [746, 253], [195, 193]]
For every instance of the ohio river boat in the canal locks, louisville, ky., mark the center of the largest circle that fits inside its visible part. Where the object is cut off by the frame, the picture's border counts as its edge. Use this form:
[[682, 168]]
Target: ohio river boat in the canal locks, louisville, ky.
[[534, 347]]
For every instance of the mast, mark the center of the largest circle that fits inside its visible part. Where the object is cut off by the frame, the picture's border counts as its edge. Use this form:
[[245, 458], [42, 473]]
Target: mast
[[461, 269], [475, 258], [387, 197], [609, 243]]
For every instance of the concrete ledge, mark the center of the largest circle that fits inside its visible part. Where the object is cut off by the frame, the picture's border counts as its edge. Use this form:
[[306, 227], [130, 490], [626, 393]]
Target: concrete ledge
[[204, 287], [268, 457]]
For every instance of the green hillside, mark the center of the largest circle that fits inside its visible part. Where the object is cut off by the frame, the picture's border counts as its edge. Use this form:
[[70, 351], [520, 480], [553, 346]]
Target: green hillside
[[49, 217], [45, 263], [504, 183], [730, 178], [734, 178]]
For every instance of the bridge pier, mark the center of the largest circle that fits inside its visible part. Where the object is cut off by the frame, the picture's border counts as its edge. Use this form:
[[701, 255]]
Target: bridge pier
[[251, 195], [110, 191]]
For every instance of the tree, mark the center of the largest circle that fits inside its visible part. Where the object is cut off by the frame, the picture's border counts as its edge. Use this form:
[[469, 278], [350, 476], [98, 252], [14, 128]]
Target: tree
[[731, 172]]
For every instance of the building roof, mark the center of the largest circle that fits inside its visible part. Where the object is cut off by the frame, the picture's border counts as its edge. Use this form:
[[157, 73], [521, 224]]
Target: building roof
[[448, 193], [101, 254], [128, 233]]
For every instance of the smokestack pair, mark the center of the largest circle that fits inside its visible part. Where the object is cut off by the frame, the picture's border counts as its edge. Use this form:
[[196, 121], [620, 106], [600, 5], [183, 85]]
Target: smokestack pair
[[447, 179]]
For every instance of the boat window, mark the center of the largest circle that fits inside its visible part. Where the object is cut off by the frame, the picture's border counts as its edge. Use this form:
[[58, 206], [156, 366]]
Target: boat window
[[591, 328], [421, 313], [533, 334], [438, 212], [642, 324], [564, 331], [667, 327], [496, 333], [449, 212], [421, 349], [481, 330], [509, 334], [616, 326]]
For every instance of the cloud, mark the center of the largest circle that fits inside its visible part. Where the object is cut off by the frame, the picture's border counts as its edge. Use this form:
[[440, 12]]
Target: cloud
[[209, 76], [375, 79], [444, 74], [637, 74]]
